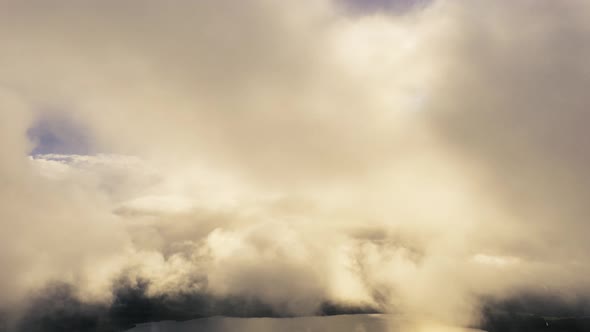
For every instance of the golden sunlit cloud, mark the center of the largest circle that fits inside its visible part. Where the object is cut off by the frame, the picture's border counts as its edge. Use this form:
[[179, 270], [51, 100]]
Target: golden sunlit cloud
[[416, 161]]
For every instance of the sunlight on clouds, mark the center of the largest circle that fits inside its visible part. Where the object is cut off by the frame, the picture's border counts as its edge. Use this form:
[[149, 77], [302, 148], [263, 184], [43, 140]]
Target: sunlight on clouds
[[295, 155], [498, 261]]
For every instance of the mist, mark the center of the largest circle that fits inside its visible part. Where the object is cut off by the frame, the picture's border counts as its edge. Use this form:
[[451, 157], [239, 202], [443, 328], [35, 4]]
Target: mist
[[279, 159]]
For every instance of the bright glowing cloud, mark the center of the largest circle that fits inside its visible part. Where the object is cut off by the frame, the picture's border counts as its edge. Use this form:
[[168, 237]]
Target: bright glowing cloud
[[294, 154]]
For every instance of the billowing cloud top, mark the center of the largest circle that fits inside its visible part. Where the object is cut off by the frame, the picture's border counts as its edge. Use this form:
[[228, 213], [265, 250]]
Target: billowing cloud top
[[415, 159]]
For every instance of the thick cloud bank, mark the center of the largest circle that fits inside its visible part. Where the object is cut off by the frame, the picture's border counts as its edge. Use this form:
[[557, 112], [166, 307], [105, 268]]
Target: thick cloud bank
[[363, 323], [422, 158]]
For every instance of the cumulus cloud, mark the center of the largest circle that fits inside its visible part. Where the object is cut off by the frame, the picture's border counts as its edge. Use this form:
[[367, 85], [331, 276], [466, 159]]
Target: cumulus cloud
[[409, 161]]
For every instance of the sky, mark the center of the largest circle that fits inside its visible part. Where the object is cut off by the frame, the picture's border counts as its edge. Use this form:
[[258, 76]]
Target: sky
[[411, 157]]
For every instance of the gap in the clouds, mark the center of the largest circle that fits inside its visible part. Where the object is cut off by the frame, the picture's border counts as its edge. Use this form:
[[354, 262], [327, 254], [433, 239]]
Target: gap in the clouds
[[57, 133], [369, 7]]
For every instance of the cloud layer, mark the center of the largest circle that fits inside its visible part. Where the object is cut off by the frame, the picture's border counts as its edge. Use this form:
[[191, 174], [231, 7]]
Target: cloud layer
[[412, 161]]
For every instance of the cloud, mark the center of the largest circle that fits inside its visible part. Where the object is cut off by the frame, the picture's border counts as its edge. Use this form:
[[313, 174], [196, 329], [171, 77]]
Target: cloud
[[295, 155]]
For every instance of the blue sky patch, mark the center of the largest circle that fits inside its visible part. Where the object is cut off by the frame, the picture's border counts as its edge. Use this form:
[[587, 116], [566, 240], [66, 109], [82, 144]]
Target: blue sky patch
[[56, 133]]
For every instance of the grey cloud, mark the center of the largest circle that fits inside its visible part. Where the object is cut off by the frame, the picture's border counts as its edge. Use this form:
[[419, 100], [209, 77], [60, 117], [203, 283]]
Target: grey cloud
[[513, 103]]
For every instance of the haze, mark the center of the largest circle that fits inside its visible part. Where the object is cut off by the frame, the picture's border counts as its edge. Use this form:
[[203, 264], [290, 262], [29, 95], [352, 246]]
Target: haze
[[281, 158]]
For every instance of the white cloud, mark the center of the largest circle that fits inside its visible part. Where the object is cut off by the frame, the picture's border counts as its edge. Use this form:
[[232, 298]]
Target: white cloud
[[273, 149]]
